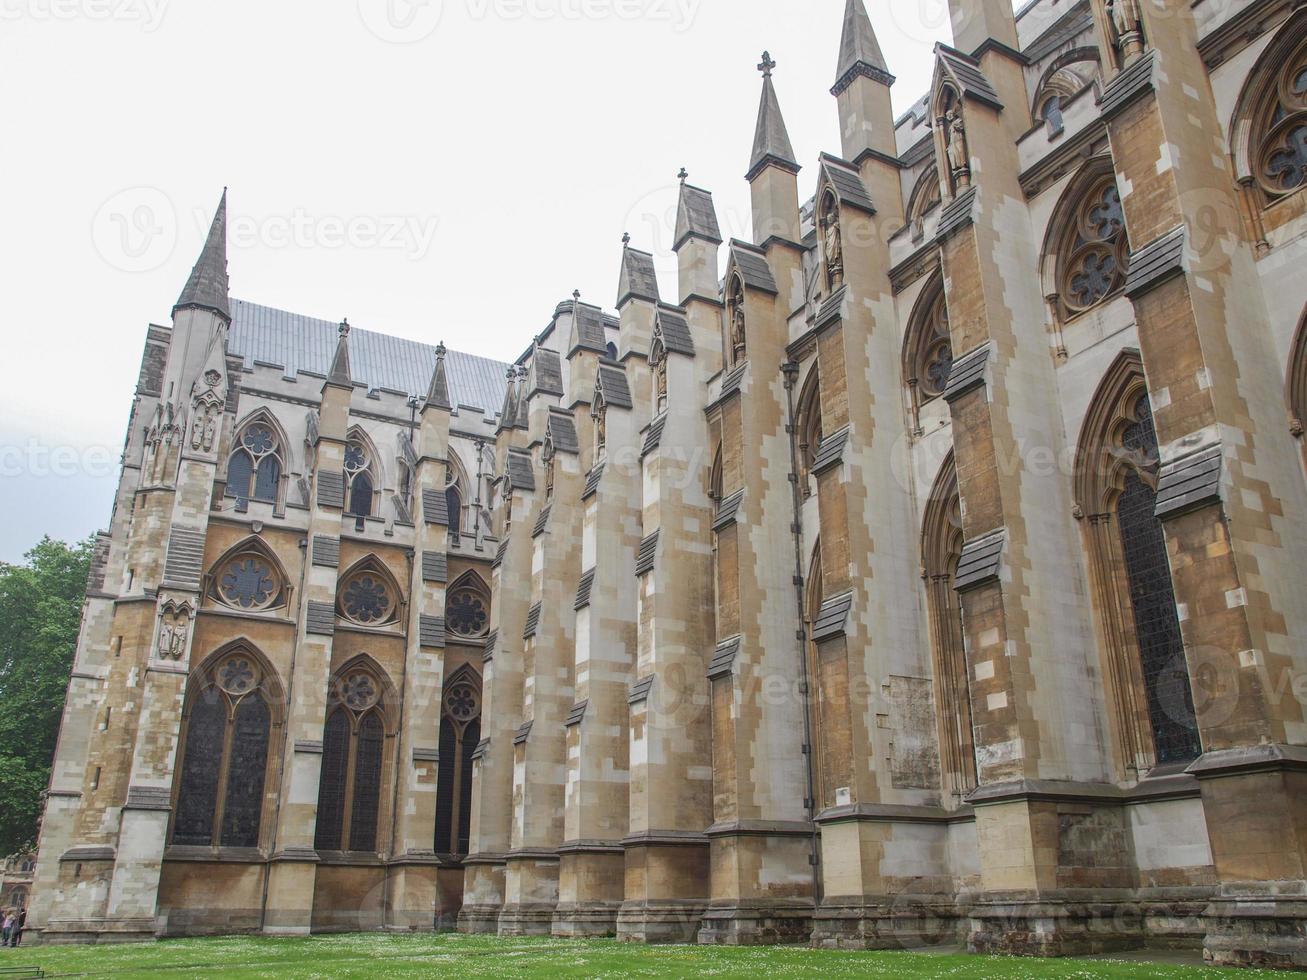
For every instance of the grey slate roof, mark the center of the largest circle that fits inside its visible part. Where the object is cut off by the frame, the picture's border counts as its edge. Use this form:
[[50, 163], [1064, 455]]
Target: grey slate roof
[[588, 324], [207, 287], [331, 489], [431, 631], [670, 324], [185, 560], [753, 266], [1190, 482], [731, 384], [966, 72], [492, 641], [583, 590], [859, 51], [771, 140], [958, 214], [981, 561], [638, 278], [831, 307], [546, 372], [696, 217], [435, 508], [592, 481], [523, 733], [831, 450], [301, 343], [435, 567], [561, 429], [326, 551], [532, 622], [640, 690], [480, 751], [968, 372], [728, 511], [847, 183], [612, 382], [542, 521], [520, 473], [644, 561], [723, 658], [1128, 85], [321, 619], [577, 714], [1156, 262], [653, 436], [833, 617]]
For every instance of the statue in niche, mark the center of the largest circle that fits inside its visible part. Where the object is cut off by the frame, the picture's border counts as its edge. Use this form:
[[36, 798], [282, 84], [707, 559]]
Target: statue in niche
[[739, 332], [833, 241], [959, 159], [601, 426], [548, 457], [659, 360], [204, 429], [175, 624], [1124, 20]]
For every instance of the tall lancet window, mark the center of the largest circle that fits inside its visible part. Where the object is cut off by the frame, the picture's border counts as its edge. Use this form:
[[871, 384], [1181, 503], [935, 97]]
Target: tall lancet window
[[353, 751], [360, 481], [224, 756], [255, 466], [460, 731], [1116, 490]]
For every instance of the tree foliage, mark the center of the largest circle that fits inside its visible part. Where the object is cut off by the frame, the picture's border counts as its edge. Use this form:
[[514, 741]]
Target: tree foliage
[[40, 615]]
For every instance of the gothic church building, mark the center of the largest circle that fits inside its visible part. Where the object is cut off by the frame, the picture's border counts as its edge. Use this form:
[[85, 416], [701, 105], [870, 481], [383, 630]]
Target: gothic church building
[[933, 577]]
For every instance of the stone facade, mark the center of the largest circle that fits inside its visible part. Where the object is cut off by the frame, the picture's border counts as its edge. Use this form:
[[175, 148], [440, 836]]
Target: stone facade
[[929, 578]]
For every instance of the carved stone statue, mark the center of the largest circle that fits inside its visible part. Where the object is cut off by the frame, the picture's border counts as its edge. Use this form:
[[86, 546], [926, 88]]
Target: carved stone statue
[[172, 635], [601, 426], [204, 429], [739, 341], [662, 381], [959, 160], [834, 245], [1127, 37]]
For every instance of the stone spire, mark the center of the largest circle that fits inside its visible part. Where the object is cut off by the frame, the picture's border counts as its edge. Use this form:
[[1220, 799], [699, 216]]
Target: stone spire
[[207, 287], [438, 392], [771, 141], [339, 373], [860, 53], [508, 412]]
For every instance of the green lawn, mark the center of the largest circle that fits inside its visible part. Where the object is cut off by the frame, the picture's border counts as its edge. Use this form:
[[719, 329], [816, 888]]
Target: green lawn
[[477, 956]]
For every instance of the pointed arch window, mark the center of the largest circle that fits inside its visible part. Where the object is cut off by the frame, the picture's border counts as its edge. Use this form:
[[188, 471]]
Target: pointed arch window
[[1279, 123], [353, 755], [460, 731], [367, 596], [249, 580], [941, 549], [467, 608], [811, 431], [925, 198], [737, 323], [255, 467], [1091, 247], [1117, 491], [360, 482], [224, 767]]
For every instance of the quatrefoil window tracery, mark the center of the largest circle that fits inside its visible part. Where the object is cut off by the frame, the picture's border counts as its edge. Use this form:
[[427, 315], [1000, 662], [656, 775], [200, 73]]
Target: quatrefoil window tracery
[[366, 599], [248, 582], [1095, 250]]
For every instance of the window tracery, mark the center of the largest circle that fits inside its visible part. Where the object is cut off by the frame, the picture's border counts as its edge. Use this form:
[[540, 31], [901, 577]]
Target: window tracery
[[358, 478], [1281, 129], [255, 467], [1094, 252], [224, 760], [460, 731], [467, 607], [249, 581], [367, 597], [349, 791]]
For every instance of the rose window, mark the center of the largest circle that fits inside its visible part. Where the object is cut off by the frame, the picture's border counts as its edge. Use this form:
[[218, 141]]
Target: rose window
[[247, 582], [366, 600], [359, 692], [465, 613], [1283, 149], [461, 703], [238, 676]]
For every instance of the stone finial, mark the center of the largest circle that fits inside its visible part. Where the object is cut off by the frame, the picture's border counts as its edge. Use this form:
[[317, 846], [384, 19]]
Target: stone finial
[[441, 350], [683, 176], [344, 328], [767, 66], [576, 295], [626, 238]]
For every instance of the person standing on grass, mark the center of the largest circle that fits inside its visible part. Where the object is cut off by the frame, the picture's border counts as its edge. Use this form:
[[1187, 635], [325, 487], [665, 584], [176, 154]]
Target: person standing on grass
[[8, 927], [20, 923]]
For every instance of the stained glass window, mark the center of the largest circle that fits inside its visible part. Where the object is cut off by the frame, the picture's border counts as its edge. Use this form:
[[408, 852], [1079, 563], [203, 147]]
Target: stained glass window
[[358, 476], [445, 795], [454, 504], [197, 798], [471, 736], [332, 783], [366, 599], [1094, 253], [465, 613], [226, 759], [247, 767], [1282, 166], [254, 469], [1152, 597], [367, 784], [460, 731], [248, 582]]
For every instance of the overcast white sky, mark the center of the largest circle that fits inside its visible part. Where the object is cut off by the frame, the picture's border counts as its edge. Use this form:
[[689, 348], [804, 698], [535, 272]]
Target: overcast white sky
[[441, 170]]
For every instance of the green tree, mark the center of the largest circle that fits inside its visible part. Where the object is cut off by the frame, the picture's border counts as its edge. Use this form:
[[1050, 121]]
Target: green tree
[[40, 615]]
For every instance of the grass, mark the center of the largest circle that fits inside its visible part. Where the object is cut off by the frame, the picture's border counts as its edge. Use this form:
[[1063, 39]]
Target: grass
[[485, 956]]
